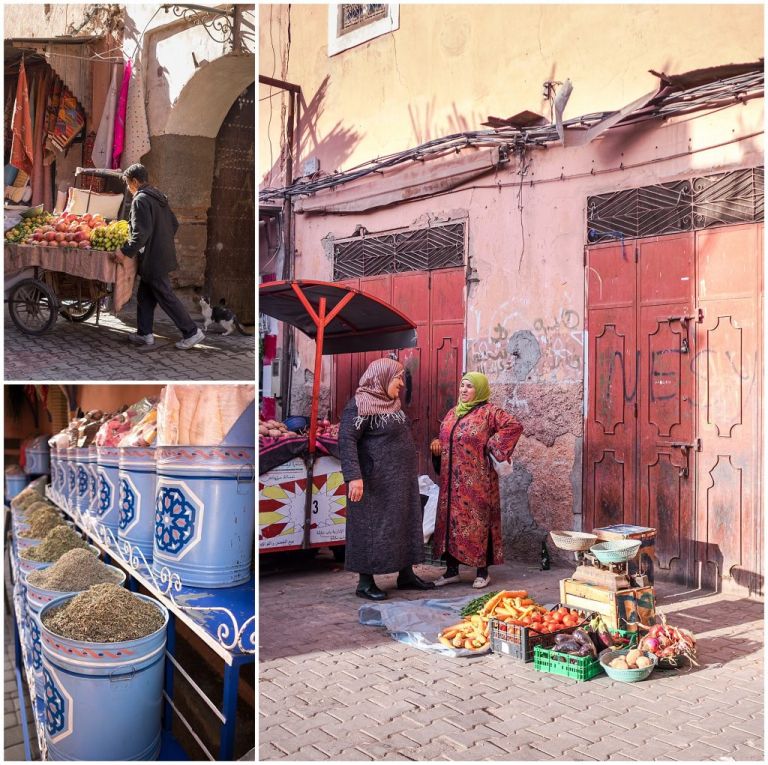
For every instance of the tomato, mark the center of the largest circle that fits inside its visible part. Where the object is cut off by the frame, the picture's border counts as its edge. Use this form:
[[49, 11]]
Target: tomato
[[562, 611], [568, 622], [575, 614], [526, 621]]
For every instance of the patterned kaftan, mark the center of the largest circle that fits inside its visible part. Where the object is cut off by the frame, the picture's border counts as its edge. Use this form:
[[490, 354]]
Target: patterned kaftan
[[469, 509]]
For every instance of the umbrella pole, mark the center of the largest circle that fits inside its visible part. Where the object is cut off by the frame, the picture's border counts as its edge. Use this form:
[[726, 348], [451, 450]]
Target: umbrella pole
[[320, 323]]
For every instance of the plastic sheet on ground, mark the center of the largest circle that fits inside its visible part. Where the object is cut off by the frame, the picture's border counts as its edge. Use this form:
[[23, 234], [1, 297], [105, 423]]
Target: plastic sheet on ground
[[419, 622]]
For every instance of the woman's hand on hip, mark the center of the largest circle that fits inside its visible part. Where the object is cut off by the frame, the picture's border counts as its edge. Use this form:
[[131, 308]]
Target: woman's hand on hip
[[355, 490], [435, 447]]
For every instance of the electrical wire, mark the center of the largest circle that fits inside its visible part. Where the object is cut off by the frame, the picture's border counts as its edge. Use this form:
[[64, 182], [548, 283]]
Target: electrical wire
[[141, 35]]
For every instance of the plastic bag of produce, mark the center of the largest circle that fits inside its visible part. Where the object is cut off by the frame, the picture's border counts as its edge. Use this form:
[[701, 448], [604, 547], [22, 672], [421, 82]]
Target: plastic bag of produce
[[200, 415], [144, 432]]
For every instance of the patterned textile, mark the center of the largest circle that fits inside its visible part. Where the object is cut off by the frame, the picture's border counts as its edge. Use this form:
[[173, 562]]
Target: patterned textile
[[137, 142], [69, 122], [469, 509], [101, 155], [118, 143], [371, 395], [22, 146]]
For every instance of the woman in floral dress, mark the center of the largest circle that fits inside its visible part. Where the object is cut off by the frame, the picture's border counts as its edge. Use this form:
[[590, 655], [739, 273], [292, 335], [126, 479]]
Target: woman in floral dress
[[468, 523]]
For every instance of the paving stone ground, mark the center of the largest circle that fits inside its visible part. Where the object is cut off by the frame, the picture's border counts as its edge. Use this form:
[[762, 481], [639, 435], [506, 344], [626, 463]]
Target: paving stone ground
[[331, 689], [72, 351]]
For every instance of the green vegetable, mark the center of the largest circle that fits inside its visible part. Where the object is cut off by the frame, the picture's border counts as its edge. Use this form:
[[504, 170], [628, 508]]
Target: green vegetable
[[476, 606]]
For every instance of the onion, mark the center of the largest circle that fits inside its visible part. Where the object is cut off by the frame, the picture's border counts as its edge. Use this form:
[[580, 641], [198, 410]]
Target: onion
[[652, 644]]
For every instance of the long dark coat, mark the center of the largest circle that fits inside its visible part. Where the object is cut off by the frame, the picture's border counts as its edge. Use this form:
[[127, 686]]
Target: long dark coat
[[384, 531], [153, 227]]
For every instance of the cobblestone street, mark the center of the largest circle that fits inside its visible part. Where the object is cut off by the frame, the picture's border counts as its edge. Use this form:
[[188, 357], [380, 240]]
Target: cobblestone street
[[331, 689], [71, 351]]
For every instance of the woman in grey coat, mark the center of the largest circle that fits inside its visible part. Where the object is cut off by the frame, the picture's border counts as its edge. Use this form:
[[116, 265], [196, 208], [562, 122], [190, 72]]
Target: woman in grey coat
[[378, 460]]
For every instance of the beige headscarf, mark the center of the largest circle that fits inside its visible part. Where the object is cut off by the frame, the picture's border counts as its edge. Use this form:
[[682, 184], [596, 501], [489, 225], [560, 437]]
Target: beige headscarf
[[372, 398]]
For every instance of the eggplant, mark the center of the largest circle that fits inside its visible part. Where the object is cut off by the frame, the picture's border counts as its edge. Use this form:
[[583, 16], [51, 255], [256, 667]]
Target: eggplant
[[581, 637], [569, 646], [587, 650]]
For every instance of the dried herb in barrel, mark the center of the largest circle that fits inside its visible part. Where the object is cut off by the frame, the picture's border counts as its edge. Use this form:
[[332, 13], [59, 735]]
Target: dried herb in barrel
[[57, 541], [41, 522], [75, 571], [105, 613]]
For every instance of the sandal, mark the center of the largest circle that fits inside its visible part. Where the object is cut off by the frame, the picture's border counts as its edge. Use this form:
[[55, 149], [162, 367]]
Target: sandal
[[480, 582], [443, 580]]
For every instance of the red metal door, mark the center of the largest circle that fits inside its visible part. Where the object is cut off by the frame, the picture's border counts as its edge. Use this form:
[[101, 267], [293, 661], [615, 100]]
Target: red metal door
[[611, 380], [434, 300], [672, 427], [729, 384], [666, 417]]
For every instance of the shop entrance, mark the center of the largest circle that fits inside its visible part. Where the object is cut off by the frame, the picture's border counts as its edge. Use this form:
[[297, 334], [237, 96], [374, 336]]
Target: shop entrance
[[434, 300], [673, 410], [229, 271]]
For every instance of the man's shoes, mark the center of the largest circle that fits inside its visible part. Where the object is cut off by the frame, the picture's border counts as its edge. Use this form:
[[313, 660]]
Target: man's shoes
[[370, 592], [188, 342], [138, 339], [412, 582]]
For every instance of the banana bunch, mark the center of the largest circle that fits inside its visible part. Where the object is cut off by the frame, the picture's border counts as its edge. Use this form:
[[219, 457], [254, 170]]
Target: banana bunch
[[111, 237]]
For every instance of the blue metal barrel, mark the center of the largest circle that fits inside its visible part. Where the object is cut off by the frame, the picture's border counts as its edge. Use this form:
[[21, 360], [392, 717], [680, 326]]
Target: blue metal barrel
[[103, 701], [71, 490], [136, 503], [37, 599], [83, 483], [38, 461], [106, 505], [205, 514], [14, 484]]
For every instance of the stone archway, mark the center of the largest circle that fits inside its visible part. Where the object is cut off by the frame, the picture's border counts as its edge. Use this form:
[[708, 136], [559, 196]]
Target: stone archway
[[182, 159]]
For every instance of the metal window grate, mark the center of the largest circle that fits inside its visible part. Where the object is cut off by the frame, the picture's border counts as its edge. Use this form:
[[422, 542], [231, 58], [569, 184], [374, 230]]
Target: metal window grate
[[353, 16], [425, 249], [667, 208]]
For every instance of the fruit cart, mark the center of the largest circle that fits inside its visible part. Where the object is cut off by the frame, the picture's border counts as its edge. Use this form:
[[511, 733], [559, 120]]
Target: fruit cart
[[63, 266], [302, 503]]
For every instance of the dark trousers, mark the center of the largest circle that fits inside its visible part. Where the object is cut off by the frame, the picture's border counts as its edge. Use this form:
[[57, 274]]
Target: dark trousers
[[158, 291]]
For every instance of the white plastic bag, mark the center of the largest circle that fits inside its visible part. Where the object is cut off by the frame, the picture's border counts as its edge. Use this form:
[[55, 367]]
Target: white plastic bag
[[503, 469], [430, 489]]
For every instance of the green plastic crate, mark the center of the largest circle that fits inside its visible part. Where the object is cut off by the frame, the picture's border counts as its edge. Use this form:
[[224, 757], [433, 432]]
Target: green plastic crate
[[579, 668]]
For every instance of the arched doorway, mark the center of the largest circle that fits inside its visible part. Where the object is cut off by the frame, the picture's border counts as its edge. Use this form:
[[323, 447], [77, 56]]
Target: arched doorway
[[230, 262]]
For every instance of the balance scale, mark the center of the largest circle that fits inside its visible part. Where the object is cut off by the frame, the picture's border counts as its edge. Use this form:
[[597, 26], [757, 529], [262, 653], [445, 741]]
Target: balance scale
[[612, 576]]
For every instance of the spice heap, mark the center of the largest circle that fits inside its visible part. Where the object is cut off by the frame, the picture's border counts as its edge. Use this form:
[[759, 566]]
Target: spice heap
[[38, 504], [106, 613], [25, 498], [41, 521], [74, 571], [58, 541]]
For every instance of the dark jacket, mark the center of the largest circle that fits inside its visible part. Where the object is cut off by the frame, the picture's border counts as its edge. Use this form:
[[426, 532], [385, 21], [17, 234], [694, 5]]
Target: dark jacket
[[153, 226]]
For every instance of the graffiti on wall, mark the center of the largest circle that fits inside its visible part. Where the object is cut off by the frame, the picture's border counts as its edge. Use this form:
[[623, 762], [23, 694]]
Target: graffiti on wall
[[552, 345]]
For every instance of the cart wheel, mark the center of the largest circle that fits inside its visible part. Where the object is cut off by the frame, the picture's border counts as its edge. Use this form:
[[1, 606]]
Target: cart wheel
[[339, 553], [33, 307], [78, 310]]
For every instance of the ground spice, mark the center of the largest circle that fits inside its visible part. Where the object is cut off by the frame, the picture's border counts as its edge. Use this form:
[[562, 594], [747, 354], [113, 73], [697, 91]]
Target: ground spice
[[27, 497], [41, 522], [105, 613], [39, 504], [75, 571], [57, 541]]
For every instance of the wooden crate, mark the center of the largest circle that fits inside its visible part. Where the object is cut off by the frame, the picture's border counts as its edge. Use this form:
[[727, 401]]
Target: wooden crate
[[643, 562], [620, 610]]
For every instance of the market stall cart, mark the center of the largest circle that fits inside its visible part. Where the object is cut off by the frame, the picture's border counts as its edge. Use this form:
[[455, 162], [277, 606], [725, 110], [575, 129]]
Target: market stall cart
[[44, 280], [302, 499]]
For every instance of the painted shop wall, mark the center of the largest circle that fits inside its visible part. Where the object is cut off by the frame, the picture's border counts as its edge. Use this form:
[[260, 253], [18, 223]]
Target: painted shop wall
[[525, 316], [448, 67]]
